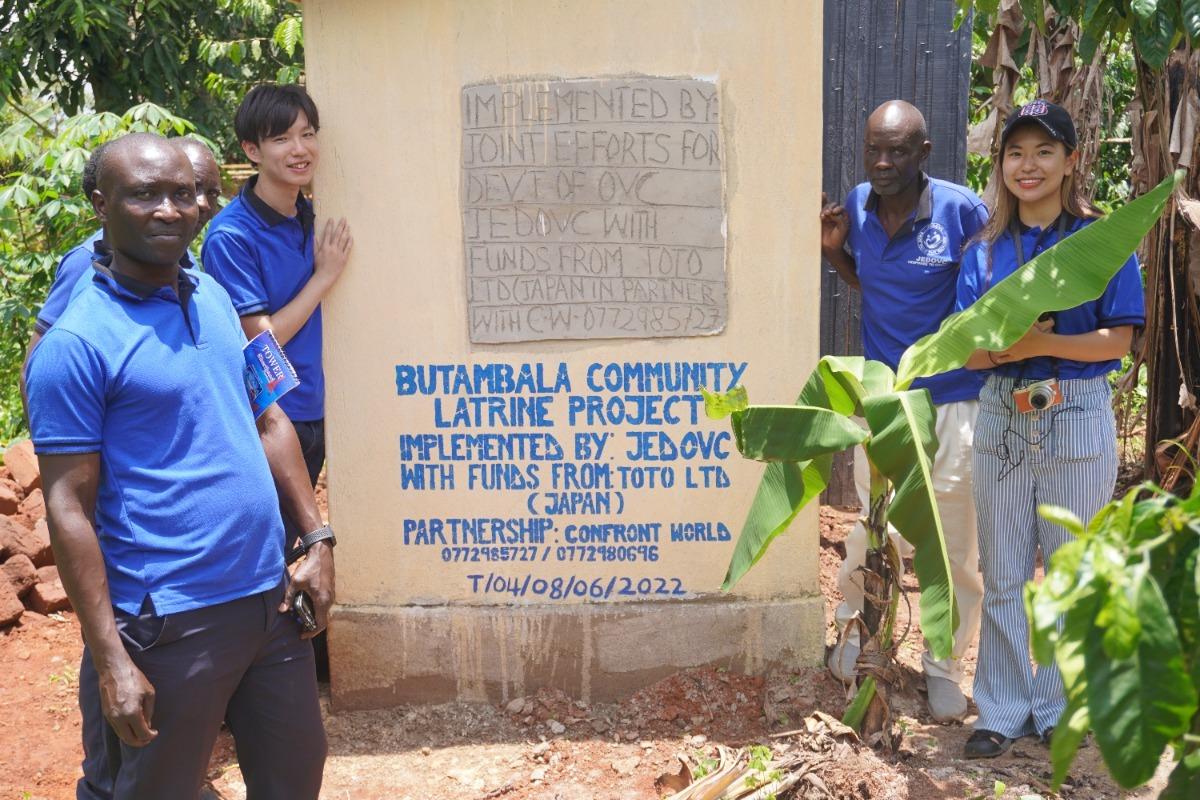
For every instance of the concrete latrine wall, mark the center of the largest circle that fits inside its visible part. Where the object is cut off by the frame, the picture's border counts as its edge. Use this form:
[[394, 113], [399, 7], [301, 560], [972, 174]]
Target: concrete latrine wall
[[568, 218]]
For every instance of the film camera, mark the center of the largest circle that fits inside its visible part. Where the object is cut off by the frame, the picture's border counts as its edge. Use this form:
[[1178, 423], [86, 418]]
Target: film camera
[[1038, 396]]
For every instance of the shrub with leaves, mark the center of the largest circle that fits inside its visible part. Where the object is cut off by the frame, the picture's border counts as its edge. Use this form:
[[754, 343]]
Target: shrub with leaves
[[43, 213], [1119, 613]]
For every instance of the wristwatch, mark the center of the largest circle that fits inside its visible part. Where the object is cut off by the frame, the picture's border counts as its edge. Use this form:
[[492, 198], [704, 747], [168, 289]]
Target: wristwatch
[[322, 534]]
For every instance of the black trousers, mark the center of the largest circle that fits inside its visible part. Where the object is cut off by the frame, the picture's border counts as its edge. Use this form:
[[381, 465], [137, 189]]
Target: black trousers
[[240, 662], [312, 447]]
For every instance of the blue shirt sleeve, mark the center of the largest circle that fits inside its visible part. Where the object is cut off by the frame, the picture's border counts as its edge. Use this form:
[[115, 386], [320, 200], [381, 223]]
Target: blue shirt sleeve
[[969, 274], [1124, 300], [72, 267], [230, 259], [66, 380], [973, 220]]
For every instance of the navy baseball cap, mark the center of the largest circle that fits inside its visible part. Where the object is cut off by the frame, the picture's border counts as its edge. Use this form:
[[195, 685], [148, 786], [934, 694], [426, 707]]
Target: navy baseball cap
[[1054, 120]]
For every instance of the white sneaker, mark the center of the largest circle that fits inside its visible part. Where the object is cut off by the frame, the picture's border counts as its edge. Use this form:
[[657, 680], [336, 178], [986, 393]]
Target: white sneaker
[[946, 700], [842, 660]]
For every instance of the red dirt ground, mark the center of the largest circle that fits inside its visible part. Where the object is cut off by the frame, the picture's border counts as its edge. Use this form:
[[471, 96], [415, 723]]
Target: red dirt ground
[[552, 747]]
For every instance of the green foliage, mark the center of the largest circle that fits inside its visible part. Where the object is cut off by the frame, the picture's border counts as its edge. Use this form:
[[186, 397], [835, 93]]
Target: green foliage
[[197, 57], [1111, 169], [43, 214], [1119, 613], [1071, 272], [1154, 27], [900, 443]]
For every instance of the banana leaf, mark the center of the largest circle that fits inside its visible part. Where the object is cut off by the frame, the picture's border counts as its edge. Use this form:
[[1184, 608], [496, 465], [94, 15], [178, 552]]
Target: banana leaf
[[902, 446], [793, 433], [785, 488], [1073, 271], [838, 384]]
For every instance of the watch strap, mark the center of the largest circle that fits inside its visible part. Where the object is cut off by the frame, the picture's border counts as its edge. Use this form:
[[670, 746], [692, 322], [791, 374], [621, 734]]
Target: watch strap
[[324, 533]]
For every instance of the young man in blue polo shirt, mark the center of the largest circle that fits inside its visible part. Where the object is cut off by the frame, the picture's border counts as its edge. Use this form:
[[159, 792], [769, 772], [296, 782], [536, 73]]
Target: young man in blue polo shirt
[[263, 248], [898, 238], [155, 475]]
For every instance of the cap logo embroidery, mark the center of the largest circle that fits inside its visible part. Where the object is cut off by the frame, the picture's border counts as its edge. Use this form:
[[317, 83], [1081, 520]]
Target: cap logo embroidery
[[1035, 109]]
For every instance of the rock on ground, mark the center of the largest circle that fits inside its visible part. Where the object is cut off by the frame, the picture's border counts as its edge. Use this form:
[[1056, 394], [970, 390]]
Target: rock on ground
[[20, 573], [16, 539], [9, 501], [23, 464], [33, 506], [46, 598], [11, 607]]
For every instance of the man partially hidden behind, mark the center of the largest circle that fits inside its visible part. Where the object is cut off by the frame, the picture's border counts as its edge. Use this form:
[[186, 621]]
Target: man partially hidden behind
[[161, 496], [898, 238]]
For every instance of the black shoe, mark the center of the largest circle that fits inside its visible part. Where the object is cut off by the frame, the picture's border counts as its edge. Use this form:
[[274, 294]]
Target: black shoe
[[986, 744]]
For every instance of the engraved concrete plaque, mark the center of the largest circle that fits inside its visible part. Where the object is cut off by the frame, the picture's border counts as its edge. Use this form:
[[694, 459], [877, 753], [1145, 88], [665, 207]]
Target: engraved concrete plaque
[[593, 209]]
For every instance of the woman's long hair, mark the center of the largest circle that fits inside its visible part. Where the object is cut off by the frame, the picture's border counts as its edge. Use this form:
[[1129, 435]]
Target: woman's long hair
[[1003, 207]]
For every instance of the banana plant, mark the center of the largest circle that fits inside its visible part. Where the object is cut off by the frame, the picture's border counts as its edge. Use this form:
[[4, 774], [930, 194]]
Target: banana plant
[[798, 441]]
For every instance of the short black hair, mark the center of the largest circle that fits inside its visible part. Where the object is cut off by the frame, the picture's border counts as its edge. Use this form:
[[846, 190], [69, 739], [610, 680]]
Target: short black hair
[[89, 181], [269, 109]]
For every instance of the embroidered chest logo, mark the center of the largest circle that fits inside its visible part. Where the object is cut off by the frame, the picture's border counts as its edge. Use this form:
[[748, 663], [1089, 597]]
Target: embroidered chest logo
[[932, 239]]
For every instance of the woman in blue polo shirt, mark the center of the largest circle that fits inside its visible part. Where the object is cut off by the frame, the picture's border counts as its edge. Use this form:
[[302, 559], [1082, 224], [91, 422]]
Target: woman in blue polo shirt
[[1046, 432]]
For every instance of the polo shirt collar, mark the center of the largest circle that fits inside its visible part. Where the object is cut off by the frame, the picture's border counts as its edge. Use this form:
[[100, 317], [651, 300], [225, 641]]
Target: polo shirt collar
[[1072, 222], [134, 289], [304, 209], [924, 202]]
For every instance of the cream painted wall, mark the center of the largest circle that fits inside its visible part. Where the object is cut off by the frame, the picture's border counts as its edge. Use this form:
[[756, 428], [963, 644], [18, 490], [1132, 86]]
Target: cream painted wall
[[387, 76]]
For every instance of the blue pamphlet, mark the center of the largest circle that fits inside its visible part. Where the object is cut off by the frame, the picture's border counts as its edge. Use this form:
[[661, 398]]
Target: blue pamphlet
[[269, 375]]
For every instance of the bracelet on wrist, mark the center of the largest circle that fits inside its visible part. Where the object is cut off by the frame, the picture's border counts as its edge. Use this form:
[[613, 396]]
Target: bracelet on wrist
[[305, 542]]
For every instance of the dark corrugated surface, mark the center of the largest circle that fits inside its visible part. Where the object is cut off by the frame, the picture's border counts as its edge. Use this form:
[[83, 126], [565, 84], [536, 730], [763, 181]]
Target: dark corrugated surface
[[877, 51]]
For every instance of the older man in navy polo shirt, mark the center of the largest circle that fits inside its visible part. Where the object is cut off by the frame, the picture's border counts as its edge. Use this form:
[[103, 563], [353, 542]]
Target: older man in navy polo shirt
[[898, 238], [161, 498]]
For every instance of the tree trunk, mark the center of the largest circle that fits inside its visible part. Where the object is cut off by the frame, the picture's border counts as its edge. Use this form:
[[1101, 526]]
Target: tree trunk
[[1165, 137]]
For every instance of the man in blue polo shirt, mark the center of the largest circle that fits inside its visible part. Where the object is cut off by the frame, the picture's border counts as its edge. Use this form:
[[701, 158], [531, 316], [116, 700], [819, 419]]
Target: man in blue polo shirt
[[78, 260], [263, 248], [898, 238], [161, 500]]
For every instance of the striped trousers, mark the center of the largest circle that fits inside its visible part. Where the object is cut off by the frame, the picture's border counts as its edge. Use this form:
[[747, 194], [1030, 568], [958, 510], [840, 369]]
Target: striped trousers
[[1063, 456]]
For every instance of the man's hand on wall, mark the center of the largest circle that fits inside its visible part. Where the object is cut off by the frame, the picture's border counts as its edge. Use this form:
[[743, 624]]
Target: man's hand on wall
[[835, 226], [333, 251]]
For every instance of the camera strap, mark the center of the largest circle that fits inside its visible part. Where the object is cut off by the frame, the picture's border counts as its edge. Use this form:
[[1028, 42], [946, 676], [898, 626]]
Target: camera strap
[[1014, 232], [1014, 229]]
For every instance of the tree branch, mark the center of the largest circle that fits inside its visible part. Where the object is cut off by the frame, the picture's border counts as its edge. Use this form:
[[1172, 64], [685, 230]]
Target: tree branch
[[30, 117]]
